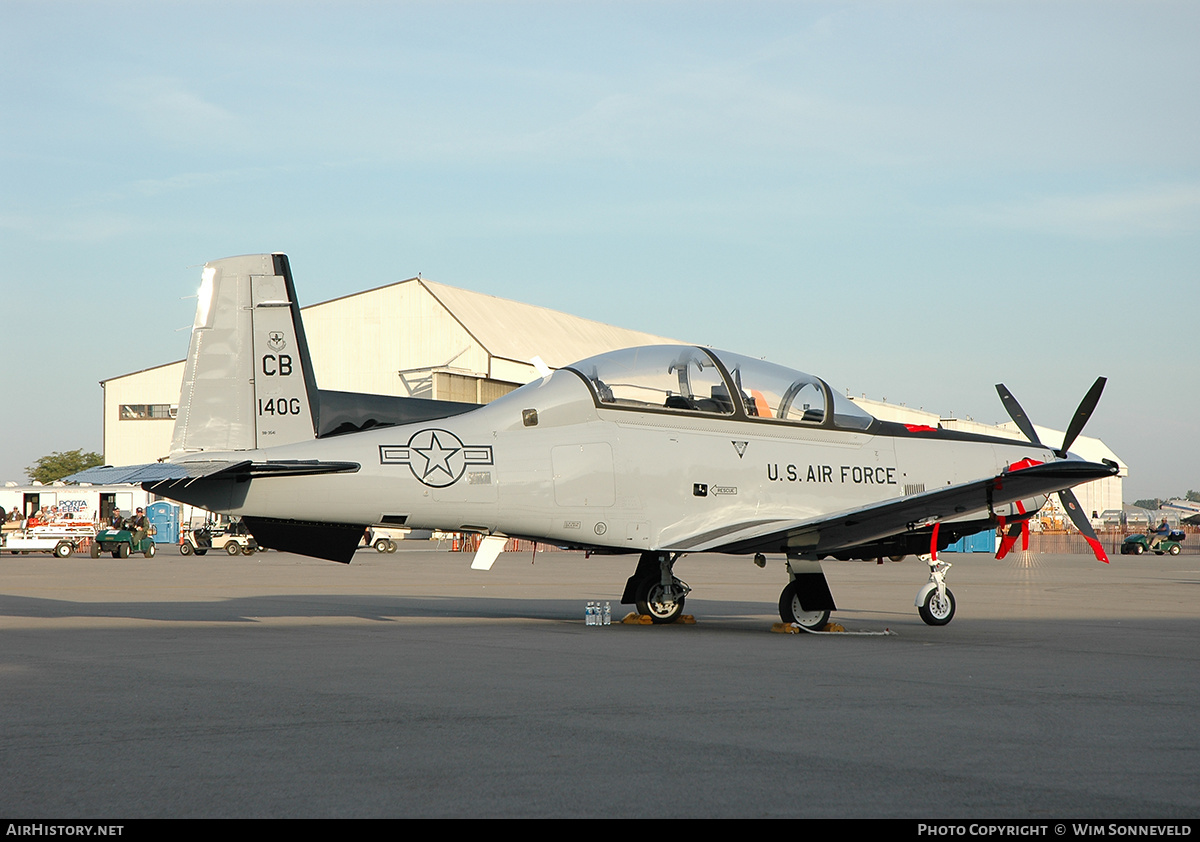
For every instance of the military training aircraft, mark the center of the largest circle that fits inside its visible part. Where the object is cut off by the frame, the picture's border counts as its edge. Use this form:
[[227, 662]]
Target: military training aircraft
[[658, 451]]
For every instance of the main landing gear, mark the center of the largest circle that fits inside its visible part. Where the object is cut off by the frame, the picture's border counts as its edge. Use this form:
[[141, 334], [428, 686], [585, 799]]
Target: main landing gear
[[935, 602], [806, 600], [654, 588]]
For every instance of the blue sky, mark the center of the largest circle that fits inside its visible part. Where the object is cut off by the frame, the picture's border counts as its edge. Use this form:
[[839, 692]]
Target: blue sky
[[914, 200]]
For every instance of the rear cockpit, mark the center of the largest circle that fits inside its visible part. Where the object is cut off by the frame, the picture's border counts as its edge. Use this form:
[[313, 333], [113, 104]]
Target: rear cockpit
[[700, 381]]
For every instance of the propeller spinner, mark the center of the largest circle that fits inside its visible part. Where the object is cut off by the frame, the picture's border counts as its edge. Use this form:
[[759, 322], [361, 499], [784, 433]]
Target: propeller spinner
[[1067, 497]]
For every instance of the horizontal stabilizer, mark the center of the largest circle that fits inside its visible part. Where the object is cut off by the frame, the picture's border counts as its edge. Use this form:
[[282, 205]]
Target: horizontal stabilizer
[[173, 473], [154, 472]]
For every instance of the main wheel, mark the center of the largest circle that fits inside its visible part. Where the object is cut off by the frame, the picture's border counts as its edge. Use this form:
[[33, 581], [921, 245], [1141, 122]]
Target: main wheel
[[94, 552], [1174, 549], [381, 546], [1138, 549], [935, 611], [651, 601], [63, 549], [186, 548], [232, 548], [791, 611], [897, 557], [391, 546], [150, 551], [123, 551]]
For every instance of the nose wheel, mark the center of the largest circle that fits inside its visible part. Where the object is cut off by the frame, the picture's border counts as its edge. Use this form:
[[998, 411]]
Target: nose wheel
[[937, 609]]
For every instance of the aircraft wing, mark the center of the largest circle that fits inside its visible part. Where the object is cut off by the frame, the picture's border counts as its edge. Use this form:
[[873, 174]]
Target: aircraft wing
[[165, 474], [851, 528]]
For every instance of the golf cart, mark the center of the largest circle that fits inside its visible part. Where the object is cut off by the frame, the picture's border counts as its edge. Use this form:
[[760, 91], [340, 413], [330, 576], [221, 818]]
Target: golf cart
[[1138, 544], [122, 543]]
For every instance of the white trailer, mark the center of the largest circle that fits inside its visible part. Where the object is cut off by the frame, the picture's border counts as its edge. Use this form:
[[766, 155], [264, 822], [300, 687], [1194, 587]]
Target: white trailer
[[62, 538]]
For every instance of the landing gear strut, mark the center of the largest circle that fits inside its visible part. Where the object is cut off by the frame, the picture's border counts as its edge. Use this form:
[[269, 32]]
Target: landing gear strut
[[654, 588]]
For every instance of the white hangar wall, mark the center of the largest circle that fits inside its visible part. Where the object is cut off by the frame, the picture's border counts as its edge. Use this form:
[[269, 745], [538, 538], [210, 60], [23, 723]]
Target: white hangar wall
[[139, 414]]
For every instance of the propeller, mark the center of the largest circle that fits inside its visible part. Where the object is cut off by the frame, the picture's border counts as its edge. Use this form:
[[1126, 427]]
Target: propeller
[[1067, 497]]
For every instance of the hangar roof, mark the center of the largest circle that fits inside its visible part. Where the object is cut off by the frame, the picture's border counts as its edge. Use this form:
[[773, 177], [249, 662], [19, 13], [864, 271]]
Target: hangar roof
[[518, 331], [511, 330]]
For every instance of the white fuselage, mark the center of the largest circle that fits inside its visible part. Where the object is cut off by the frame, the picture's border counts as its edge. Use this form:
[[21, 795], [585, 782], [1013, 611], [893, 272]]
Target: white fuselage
[[619, 478]]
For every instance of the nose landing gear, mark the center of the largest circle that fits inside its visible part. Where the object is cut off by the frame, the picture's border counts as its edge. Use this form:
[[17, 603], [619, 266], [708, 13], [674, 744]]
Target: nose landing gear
[[935, 602]]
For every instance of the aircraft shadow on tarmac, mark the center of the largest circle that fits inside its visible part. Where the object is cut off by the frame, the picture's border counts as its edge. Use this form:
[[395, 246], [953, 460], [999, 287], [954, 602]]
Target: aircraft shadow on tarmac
[[258, 608]]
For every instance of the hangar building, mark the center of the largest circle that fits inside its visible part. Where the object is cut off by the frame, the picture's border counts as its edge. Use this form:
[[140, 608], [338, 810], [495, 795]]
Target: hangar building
[[413, 338]]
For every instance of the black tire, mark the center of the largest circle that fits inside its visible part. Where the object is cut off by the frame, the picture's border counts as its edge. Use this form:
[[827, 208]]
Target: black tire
[[936, 613], [1174, 549], [186, 548], [150, 550], [791, 611], [63, 549], [381, 546], [248, 550], [897, 557], [94, 552], [649, 602], [1138, 549], [122, 551], [232, 548]]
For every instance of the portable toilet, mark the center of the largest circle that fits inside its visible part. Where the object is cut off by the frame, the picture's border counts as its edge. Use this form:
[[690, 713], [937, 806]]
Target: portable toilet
[[164, 517]]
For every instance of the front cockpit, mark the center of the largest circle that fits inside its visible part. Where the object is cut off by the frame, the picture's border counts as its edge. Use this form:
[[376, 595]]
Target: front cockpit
[[702, 381]]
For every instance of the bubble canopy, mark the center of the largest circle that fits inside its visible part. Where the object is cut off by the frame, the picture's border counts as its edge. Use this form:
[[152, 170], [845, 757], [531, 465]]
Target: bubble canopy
[[690, 379]]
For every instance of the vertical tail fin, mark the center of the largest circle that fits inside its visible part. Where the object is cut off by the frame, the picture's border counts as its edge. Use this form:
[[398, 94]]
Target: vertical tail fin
[[248, 380]]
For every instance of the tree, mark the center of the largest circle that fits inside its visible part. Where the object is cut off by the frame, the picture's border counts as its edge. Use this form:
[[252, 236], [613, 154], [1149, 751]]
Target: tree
[[1193, 497], [1151, 503], [58, 465]]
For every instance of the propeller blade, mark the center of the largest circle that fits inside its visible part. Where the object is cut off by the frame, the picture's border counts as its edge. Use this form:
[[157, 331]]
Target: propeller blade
[[1071, 507], [1017, 414], [1082, 414]]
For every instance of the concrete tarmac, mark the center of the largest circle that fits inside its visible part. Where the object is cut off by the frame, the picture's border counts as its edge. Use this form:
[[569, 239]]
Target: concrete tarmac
[[408, 685]]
